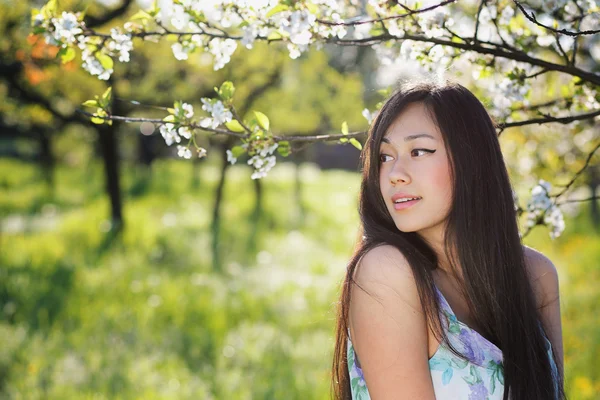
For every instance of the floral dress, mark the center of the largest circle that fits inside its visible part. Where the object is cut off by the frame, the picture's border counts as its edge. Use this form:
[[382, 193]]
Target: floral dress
[[481, 378]]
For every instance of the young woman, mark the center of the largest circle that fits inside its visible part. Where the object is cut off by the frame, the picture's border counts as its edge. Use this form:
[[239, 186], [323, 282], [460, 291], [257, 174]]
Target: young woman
[[441, 300]]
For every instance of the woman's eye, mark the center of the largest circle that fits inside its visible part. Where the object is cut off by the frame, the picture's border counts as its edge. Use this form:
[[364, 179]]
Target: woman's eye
[[382, 157], [423, 150]]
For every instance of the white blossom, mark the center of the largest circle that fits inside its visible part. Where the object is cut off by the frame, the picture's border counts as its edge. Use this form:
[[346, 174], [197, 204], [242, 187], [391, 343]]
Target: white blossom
[[120, 43], [264, 160], [506, 15], [39, 21], [219, 113], [94, 67], [487, 14], [184, 152], [230, 158], [185, 132], [298, 26], [179, 51], [368, 115], [554, 218], [66, 28], [222, 49], [540, 205], [250, 33], [551, 5], [169, 133], [188, 110]]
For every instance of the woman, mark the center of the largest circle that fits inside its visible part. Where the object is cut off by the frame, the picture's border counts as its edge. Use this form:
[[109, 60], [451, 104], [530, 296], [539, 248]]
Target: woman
[[441, 300]]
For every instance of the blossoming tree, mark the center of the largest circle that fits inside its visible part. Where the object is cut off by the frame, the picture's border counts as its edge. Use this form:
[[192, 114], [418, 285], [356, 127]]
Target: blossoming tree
[[517, 52]]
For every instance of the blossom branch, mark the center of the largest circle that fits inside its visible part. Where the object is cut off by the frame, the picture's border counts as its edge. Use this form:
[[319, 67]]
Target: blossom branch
[[578, 200], [549, 118], [478, 48], [531, 17], [156, 121], [392, 17], [578, 173]]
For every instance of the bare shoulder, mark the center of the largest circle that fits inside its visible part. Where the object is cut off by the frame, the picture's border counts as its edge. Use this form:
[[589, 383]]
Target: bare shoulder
[[385, 272], [382, 263], [388, 327], [544, 276]]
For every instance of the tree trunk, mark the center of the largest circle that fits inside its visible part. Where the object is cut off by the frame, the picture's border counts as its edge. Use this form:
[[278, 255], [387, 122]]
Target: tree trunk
[[216, 218], [110, 156], [47, 161], [298, 190], [594, 182]]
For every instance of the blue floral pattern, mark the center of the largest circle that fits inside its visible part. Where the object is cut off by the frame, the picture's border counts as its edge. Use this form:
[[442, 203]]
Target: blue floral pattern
[[479, 378]]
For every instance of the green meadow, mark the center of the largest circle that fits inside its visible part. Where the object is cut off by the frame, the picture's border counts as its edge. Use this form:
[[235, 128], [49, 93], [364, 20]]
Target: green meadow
[[87, 314]]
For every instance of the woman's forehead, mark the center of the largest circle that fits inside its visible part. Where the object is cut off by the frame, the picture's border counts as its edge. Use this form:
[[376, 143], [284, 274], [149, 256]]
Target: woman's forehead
[[413, 123]]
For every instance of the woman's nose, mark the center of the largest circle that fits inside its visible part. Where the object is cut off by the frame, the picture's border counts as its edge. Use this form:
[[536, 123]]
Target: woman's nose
[[399, 174]]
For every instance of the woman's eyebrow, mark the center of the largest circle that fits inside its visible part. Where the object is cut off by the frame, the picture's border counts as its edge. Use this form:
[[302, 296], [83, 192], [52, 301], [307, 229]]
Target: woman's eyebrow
[[411, 137]]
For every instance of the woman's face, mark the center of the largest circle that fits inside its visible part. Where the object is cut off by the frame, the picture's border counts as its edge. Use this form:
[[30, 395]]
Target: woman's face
[[414, 163]]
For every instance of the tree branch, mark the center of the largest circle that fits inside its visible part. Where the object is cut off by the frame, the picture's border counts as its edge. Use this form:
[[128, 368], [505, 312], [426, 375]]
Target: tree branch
[[478, 48], [407, 14], [549, 118], [92, 22], [587, 162], [531, 17], [481, 4]]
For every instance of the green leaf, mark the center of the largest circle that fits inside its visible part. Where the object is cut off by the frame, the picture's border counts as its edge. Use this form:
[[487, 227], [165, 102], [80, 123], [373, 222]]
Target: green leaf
[[343, 140], [96, 118], [68, 55], [226, 91], [141, 15], [284, 152], [274, 36], [284, 148], [169, 118], [313, 8], [106, 96], [234, 126], [49, 10], [155, 9], [356, 143], [262, 120], [90, 103], [277, 9], [171, 110], [258, 135], [344, 128], [237, 151], [106, 61]]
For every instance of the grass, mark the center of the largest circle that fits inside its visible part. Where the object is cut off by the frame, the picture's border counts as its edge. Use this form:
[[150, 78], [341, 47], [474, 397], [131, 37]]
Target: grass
[[144, 316]]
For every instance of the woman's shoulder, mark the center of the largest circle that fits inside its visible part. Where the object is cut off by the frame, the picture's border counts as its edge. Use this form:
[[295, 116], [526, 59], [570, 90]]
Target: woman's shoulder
[[384, 264], [543, 275]]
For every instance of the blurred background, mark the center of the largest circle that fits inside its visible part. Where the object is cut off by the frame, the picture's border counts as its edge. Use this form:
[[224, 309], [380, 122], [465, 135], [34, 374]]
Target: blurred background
[[129, 273]]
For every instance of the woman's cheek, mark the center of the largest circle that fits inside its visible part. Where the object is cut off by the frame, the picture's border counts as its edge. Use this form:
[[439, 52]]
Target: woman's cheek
[[442, 179]]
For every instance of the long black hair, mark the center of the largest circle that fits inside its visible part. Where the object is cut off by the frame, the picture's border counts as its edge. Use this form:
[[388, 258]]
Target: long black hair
[[482, 227]]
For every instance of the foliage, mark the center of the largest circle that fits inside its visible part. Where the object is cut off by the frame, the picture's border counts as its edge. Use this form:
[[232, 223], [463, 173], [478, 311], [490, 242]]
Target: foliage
[[509, 48], [143, 316]]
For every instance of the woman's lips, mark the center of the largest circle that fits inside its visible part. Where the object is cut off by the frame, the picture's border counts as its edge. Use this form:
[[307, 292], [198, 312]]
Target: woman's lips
[[405, 204]]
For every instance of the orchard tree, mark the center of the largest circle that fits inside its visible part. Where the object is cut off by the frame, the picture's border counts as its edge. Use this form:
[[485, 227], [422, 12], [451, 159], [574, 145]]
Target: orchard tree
[[519, 54]]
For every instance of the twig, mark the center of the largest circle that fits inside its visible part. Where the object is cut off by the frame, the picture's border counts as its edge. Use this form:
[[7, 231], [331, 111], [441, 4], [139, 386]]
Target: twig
[[531, 17], [481, 4], [549, 118], [407, 14], [321, 138], [587, 162], [478, 48]]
